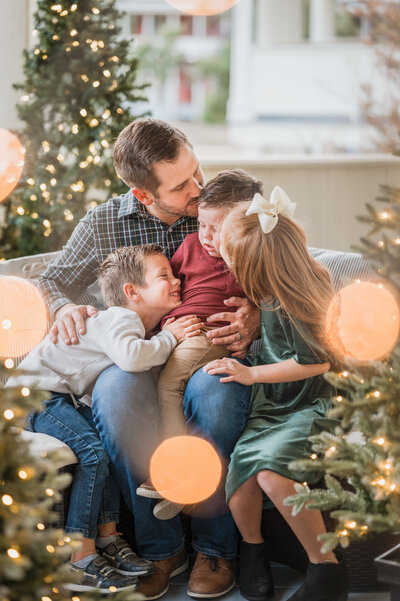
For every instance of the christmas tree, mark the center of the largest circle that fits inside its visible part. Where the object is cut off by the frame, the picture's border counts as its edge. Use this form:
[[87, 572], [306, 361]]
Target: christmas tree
[[32, 554], [78, 94], [368, 403]]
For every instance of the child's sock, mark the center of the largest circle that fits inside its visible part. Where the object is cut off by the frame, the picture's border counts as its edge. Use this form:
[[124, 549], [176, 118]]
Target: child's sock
[[83, 563], [103, 541]]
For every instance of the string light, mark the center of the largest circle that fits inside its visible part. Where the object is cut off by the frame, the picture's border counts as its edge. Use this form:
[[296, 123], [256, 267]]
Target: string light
[[106, 73], [104, 143], [60, 127], [43, 187], [13, 553], [7, 500], [40, 526], [73, 33], [8, 414], [68, 216], [30, 181], [21, 211], [22, 474], [53, 181], [96, 84], [49, 492], [95, 11], [25, 391], [55, 37], [83, 112], [56, 7], [78, 187], [9, 363], [50, 168], [64, 13], [73, 7], [75, 128], [84, 78], [45, 146], [50, 548], [106, 114], [93, 123]]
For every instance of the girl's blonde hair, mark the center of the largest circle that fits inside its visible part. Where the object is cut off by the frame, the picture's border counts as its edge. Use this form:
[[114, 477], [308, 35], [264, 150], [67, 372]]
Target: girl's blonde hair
[[278, 266]]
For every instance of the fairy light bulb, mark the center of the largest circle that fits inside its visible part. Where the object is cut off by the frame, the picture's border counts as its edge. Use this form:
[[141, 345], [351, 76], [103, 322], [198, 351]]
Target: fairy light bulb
[[83, 112], [7, 500], [96, 84], [13, 553], [8, 414], [9, 363]]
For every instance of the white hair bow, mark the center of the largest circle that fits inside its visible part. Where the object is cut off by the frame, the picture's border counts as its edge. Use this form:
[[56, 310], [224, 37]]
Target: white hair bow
[[268, 210]]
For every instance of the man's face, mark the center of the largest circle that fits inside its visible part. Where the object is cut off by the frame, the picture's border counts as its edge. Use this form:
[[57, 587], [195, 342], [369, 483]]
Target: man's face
[[210, 223], [162, 290], [180, 183]]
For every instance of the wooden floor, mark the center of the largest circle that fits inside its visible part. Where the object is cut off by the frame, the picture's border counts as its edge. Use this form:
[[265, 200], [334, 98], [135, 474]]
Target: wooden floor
[[286, 582]]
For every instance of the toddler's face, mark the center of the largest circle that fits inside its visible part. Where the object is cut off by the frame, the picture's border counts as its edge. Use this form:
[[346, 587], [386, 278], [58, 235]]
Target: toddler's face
[[210, 223]]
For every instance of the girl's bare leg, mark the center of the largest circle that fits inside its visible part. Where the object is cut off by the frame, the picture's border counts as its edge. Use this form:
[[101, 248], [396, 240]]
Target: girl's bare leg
[[246, 507], [307, 525]]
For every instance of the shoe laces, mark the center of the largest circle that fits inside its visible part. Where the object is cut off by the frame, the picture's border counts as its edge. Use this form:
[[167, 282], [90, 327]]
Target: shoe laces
[[123, 549], [213, 562]]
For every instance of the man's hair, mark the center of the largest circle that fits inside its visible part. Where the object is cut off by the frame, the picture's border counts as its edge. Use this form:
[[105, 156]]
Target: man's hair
[[228, 188], [143, 143], [127, 264]]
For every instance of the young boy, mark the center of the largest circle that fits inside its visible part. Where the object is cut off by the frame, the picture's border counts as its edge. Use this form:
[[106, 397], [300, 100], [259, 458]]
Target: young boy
[[206, 283], [139, 288]]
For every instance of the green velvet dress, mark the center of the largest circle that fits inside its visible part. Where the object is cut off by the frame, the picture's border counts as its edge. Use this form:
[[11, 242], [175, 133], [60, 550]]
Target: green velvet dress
[[282, 416]]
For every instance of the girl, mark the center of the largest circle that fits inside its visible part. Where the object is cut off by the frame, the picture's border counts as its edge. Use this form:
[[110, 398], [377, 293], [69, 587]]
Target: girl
[[267, 253]]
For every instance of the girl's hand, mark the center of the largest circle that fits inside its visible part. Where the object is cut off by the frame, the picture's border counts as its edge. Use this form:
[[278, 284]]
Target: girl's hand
[[183, 327], [236, 372]]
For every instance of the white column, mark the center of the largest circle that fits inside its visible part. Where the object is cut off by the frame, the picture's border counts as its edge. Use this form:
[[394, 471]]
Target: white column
[[279, 21], [240, 75], [322, 20], [15, 32]]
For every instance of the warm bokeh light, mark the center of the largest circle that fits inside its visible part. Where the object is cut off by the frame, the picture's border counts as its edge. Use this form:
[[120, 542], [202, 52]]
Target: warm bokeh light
[[23, 317], [11, 162], [202, 7], [185, 469], [363, 322]]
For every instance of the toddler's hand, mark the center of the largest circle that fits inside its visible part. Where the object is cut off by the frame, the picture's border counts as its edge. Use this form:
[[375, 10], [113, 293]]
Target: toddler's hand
[[236, 372], [183, 327]]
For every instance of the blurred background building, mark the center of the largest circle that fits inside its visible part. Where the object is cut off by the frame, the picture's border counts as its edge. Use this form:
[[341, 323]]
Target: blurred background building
[[284, 75]]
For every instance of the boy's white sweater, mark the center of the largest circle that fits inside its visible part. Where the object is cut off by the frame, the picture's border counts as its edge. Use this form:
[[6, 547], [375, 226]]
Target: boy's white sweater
[[116, 335]]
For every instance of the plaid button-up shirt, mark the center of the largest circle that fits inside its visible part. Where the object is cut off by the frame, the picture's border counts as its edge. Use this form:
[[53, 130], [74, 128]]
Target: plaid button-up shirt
[[122, 221]]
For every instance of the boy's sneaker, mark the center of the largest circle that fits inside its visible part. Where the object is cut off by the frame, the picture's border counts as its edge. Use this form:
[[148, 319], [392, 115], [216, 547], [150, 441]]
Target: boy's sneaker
[[99, 576], [124, 561], [165, 510], [146, 489]]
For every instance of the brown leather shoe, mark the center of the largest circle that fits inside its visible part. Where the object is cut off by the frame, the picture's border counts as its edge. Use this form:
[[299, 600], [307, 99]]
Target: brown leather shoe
[[156, 584], [211, 577]]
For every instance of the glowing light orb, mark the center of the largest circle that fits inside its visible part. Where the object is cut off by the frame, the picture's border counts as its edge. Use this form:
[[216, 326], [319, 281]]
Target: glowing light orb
[[203, 7], [363, 322], [23, 317], [185, 469], [11, 162]]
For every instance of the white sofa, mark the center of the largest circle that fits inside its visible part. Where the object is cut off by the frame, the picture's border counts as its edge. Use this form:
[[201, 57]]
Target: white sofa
[[344, 268]]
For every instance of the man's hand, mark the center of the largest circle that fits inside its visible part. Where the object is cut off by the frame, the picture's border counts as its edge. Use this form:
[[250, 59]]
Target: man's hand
[[235, 371], [243, 328], [183, 327], [70, 319]]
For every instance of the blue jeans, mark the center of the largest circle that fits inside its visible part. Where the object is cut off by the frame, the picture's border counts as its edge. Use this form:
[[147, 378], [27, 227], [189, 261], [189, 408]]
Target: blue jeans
[[126, 414], [95, 496]]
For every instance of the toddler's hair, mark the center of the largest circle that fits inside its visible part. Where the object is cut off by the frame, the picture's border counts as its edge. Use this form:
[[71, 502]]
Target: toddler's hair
[[278, 266], [143, 143], [228, 188], [126, 264]]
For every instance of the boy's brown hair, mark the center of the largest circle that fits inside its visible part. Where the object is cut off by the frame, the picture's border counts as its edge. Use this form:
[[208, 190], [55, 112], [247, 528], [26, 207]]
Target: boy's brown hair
[[143, 143], [228, 188], [126, 264]]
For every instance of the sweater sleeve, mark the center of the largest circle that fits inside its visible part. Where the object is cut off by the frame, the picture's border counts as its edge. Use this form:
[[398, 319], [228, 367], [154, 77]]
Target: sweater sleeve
[[123, 341]]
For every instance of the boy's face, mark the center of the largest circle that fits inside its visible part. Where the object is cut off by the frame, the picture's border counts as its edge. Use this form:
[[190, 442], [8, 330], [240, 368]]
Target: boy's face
[[210, 223], [162, 290]]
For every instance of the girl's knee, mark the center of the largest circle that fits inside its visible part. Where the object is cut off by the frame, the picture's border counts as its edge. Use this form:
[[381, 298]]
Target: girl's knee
[[268, 480]]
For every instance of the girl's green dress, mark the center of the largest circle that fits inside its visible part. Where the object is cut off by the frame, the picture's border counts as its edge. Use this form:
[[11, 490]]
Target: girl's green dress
[[282, 416]]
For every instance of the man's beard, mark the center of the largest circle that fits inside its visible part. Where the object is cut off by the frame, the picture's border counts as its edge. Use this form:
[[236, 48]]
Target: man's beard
[[190, 209]]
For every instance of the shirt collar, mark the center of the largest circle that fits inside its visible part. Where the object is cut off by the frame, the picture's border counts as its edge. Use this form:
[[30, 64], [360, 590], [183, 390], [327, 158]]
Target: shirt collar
[[130, 204]]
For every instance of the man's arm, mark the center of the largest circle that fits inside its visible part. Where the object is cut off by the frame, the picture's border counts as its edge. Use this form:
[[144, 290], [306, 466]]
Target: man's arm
[[67, 277]]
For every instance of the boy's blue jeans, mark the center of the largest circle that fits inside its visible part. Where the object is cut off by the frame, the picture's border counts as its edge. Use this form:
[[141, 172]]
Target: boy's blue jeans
[[94, 496], [126, 414]]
